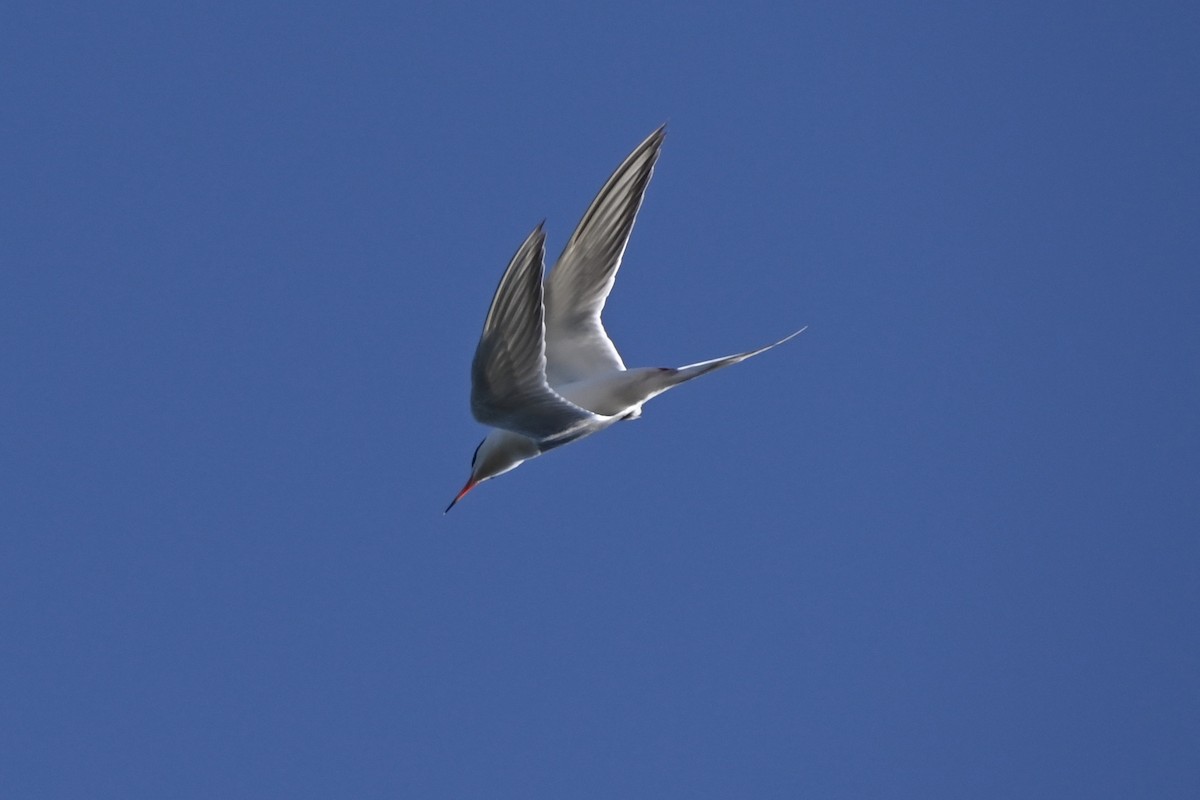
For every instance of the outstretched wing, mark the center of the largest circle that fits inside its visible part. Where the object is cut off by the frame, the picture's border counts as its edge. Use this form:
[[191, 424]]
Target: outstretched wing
[[508, 375], [577, 346]]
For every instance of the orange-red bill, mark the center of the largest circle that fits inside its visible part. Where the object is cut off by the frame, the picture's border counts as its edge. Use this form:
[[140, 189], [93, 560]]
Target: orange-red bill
[[471, 484]]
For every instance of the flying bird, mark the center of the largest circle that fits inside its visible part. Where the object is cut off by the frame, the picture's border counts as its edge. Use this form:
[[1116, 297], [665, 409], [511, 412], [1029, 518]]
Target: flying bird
[[545, 372]]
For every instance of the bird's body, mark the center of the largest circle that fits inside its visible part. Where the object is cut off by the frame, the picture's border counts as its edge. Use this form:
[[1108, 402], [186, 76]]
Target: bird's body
[[545, 372]]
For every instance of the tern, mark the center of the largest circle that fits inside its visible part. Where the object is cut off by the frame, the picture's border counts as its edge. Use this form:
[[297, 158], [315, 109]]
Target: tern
[[545, 371]]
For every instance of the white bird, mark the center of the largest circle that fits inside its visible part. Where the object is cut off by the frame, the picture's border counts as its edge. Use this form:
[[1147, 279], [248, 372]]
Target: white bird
[[545, 372]]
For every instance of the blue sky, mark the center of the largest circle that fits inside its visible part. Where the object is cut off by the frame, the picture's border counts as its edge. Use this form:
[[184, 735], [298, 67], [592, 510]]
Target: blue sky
[[942, 545]]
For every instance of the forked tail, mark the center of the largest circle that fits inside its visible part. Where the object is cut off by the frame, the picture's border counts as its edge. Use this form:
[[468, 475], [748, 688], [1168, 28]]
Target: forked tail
[[686, 373], [653, 382], [622, 394]]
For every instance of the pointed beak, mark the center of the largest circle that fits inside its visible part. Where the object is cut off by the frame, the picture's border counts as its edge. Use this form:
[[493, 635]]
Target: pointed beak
[[471, 484]]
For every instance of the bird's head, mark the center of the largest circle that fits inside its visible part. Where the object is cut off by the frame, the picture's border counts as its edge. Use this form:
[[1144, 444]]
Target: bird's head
[[500, 452]]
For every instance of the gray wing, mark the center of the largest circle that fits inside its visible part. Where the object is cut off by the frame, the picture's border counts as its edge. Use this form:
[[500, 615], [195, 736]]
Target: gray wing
[[577, 346], [508, 374]]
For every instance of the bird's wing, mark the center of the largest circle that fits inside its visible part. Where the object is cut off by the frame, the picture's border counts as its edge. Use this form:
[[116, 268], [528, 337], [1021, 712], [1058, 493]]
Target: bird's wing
[[577, 346], [508, 375]]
